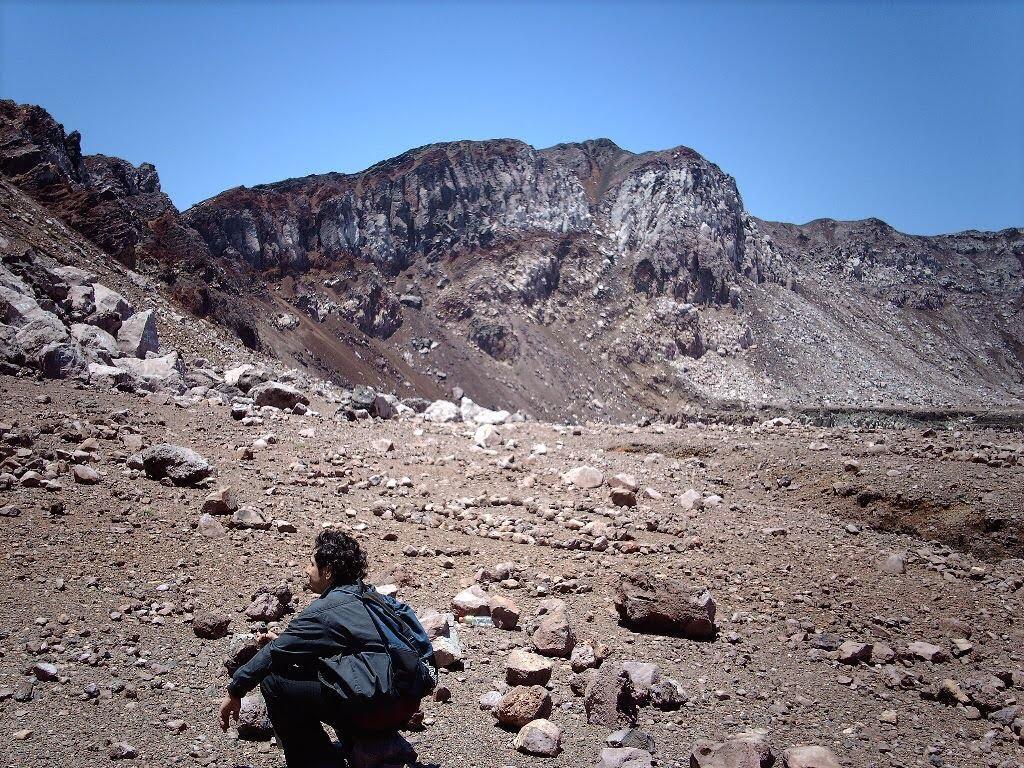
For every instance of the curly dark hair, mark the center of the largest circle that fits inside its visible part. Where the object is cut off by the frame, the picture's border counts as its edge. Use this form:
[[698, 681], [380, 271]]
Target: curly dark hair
[[342, 554]]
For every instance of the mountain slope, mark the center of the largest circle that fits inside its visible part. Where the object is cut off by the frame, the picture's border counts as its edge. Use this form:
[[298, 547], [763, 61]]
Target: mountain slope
[[578, 281], [121, 209]]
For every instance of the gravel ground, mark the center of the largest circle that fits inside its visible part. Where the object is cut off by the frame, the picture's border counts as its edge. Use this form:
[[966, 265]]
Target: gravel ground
[[790, 533]]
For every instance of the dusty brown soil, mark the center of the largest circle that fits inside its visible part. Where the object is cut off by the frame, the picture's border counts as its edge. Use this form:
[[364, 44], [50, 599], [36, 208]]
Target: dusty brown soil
[[101, 580]]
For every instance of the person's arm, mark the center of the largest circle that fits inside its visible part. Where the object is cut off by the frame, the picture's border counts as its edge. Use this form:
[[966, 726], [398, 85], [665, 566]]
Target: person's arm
[[251, 674], [305, 635]]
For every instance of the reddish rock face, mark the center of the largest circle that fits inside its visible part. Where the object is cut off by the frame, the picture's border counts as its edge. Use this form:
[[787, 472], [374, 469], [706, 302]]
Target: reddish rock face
[[664, 607], [117, 206], [105, 198]]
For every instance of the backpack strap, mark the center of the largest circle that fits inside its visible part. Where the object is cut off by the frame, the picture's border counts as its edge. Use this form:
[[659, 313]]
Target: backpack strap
[[372, 595], [398, 623]]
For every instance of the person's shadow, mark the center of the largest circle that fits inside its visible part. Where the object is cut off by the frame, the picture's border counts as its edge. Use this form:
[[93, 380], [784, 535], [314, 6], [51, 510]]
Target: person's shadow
[[390, 750]]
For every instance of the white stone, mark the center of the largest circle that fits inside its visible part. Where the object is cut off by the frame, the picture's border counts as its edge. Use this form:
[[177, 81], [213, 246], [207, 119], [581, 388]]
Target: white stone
[[441, 412], [584, 477], [232, 376], [476, 414], [487, 436]]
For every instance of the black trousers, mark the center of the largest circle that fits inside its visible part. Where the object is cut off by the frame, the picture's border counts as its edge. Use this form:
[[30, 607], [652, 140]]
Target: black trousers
[[298, 707]]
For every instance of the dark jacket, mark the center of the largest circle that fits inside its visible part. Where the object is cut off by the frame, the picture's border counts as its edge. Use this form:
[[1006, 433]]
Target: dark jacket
[[336, 623]]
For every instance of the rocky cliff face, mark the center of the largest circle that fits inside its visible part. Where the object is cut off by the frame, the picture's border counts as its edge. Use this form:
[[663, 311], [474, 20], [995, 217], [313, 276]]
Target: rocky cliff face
[[563, 257], [119, 207], [673, 219], [106, 199], [579, 280]]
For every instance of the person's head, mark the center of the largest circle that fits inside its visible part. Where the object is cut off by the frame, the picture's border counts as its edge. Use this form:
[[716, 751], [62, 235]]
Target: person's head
[[337, 559]]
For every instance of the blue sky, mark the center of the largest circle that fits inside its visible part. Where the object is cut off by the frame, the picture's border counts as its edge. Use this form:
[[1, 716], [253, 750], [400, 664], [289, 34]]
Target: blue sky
[[913, 113]]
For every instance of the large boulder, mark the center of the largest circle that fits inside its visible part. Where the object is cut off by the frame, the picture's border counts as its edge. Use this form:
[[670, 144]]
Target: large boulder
[[363, 397], [79, 301], [525, 668], [154, 373], [269, 603], [437, 624], [746, 750], [8, 351], [96, 342], [644, 675], [554, 635], [108, 301], [211, 624], [232, 375], [182, 465], [541, 737], [266, 607], [472, 601], [137, 335], [73, 276], [475, 414], [441, 412], [522, 704], [62, 360], [486, 436], [584, 477], [609, 699], [385, 406], [222, 501], [250, 378], [447, 650], [250, 517], [109, 375], [39, 330], [504, 612], [811, 756], [624, 757], [277, 395], [664, 607], [17, 304]]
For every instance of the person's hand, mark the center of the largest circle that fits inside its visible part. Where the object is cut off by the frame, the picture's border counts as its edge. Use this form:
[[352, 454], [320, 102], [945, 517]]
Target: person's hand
[[229, 708]]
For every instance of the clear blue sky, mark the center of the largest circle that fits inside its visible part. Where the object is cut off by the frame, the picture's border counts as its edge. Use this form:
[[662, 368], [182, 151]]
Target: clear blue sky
[[910, 112]]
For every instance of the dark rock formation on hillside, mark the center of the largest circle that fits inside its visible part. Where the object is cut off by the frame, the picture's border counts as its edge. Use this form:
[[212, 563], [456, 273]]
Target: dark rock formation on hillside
[[579, 280], [119, 207], [639, 264]]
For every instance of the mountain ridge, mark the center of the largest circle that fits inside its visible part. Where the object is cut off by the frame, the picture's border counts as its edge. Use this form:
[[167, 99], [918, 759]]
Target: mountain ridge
[[579, 278]]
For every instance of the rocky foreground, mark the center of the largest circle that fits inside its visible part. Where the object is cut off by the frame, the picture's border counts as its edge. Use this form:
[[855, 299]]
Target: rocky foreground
[[744, 591]]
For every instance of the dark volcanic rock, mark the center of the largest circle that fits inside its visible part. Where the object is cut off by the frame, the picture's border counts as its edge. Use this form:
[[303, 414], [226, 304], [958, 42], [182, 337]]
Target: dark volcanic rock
[[278, 395], [609, 699], [495, 337], [182, 465], [211, 625], [656, 605]]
